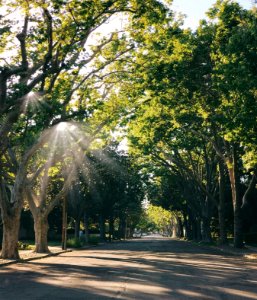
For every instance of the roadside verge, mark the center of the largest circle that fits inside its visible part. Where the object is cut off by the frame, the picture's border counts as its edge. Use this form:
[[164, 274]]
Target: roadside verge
[[29, 255]]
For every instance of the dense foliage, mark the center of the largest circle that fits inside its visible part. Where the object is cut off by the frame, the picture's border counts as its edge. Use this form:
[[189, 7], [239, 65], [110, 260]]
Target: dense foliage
[[72, 81]]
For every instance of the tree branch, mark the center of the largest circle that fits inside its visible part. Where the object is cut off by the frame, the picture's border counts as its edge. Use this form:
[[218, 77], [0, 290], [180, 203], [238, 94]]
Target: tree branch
[[22, 39], [249, 190]]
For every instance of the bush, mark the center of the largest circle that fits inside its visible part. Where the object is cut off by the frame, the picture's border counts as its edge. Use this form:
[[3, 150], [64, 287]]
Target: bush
[[74, 243], [24, 246]]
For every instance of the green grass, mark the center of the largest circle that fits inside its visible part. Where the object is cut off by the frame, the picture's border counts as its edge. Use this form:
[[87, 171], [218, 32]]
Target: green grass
[[30, 244], [71, 242]]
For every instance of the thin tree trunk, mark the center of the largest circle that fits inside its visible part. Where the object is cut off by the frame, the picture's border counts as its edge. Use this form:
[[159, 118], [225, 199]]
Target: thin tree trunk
[[126, 229], [194, 230], [41, 230], [86, 225], [181, 231], [206, 230], [102, 228], [64, 224], [122, 228], [185, 226], [176, 227], [221, 205], [111, 228], [189, 227], [198, 230], [77, 227], [174, 230], [206, 220], [237, 201]]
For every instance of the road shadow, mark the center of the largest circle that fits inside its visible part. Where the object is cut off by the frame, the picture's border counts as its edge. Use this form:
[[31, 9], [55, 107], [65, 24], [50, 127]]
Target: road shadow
[[158, 269]]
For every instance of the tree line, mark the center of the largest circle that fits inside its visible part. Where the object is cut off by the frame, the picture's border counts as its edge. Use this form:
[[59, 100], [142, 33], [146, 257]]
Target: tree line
[[196, 123], [52, 74], [186, 100]]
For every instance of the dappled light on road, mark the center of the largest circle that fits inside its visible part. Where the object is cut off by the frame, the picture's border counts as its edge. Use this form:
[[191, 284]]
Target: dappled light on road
[[139, 269]]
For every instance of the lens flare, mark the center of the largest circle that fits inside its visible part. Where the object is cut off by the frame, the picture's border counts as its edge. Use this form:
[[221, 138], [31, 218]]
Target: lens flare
[[62, 127], [33, 101]]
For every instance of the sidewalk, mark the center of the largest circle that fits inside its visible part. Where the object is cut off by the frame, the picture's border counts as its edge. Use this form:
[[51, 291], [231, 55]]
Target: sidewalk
[[249, 252], [28, 255]]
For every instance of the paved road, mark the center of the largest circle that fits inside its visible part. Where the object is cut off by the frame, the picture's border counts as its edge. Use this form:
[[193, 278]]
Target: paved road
[[141, 269]]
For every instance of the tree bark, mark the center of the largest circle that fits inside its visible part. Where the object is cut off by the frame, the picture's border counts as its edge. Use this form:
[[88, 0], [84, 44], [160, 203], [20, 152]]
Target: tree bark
[[77, 227], [206, 230], [189, 226], [237, 201], [221, 205], [177, 228], [11, 207], [11, 227], [111, 228], [197, 234], [181, 229], [206, 220], [86, 225], [41, 230], [122, 228], [102, 228]]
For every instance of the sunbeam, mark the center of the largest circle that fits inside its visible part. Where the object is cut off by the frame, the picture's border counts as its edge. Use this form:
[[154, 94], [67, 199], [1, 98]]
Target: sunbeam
[[67, 159], [33, 101], [62, 127]]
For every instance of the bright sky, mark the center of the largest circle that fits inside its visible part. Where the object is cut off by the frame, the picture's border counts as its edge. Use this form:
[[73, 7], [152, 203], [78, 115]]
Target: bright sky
[[195, 10]]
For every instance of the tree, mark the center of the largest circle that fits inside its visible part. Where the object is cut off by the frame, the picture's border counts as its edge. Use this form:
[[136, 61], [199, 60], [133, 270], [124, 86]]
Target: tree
[[188, 85], [48, 75], [115, 189]]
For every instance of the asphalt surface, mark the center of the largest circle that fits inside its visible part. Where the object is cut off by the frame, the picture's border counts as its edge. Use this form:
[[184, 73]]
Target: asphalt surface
[[155, 268]]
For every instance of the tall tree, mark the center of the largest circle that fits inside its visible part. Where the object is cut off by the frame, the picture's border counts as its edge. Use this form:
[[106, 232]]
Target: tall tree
[[47, 69]]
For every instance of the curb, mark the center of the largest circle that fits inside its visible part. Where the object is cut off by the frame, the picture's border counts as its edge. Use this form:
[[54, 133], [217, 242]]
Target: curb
[[246, 253], [44, 255]]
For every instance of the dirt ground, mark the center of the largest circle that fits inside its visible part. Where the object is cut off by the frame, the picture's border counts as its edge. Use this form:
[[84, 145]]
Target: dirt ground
[[149, 268]]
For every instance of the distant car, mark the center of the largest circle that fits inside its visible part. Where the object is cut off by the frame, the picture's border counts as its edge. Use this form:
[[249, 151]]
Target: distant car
[[137, 234]]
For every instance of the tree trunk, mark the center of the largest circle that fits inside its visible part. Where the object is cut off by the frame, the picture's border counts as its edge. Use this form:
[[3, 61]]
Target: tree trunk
[[11, 208], [41, 230], [86, 225], [174, 233], [126, 229], [122, 228], [11, 227], [111, 228], [221, 205], [194, 229], [189, 226], [177, 228], [197, 230], [186, 227], [102, 228], [206, 220], [206, 230], [181, 228], [237, 201], [77, 227]]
